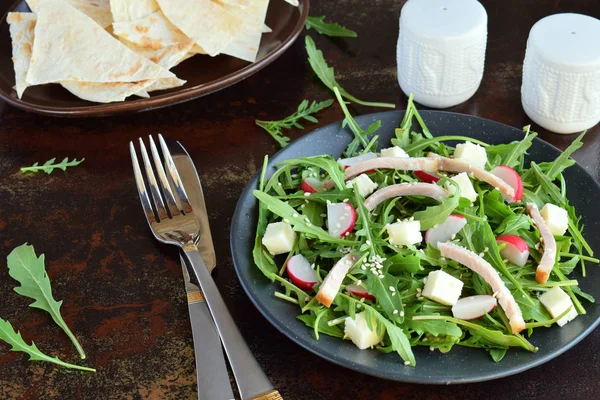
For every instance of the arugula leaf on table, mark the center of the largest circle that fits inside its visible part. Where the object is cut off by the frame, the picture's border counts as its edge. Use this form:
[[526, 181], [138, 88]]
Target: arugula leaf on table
[[30, 272], [49, 166], [14, 338], [305, 111], [329, 29], [327, 75]]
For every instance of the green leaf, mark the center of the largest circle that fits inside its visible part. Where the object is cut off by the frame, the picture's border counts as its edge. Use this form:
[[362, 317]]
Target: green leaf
[[13, 338], [563, 161], [296, 220], [262, 260], [329, 29], [327, 75], [30, 272], [497, 354], [49, 166], [390, 301], [326, 163], [305, 111], [400, 263], [360, 135], [436, 327], [568, 266], [513, 224], [434, 215], [310, 319]]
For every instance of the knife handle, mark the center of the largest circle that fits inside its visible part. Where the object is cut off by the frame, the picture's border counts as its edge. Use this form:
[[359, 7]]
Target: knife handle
[[251, 380]]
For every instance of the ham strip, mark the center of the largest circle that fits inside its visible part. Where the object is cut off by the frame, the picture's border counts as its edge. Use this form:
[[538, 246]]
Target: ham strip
[[458, 166], [491, 276], [546, 264], [405, 189], [333, 281]]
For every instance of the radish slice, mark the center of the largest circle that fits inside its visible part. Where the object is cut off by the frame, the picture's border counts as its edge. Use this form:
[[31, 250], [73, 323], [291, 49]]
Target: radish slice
[[341, 219], [473, 307], [512, 178], [359, 291], [426, 177], [346, 162], [446, 230], [300, 272], [516, 250], [311, 185]]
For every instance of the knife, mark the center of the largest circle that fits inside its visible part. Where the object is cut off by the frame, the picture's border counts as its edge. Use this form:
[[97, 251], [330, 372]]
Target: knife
[[211, 370]]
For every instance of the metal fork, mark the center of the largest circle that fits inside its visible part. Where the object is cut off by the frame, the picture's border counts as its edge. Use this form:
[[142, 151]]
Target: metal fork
[[172, 221]]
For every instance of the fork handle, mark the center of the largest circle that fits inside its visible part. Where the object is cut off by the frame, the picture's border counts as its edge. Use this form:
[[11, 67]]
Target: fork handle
[[251, 380]]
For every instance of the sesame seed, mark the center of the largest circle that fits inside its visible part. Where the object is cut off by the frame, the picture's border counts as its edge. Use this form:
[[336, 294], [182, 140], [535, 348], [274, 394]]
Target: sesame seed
[[419, 290], [307, 299], [453, 236], [431, 348], [302, 206], [486, 249], [402, 313], [395, 312], [287, 221], [328, 202], [308, 224], [393, 294], [345, 200], [306, 219], [392, 289], [307, 194], [425, 339], [323, 215], [313, 266], [347, 233], [368, 242], [306, 201], [381, 276], [505, 261], [358, 282], [363, 267], [407, 362], [295, 215], [279, 184], [481, 254], [358, 305], [442, 258]]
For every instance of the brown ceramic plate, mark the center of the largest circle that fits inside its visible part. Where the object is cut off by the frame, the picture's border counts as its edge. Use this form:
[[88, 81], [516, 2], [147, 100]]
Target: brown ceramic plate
[[204, 75]]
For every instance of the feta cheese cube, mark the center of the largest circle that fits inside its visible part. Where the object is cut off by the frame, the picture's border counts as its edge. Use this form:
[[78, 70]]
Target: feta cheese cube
[[358, 331], [403, 233], [557, 302], [466, 187], [442, 288], [556, 218], [365, 185], [394, 152], [471, 153], [279, 238]]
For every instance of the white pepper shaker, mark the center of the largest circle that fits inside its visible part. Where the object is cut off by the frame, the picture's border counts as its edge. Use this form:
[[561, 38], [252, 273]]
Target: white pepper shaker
[[561, 73], [441, 50]]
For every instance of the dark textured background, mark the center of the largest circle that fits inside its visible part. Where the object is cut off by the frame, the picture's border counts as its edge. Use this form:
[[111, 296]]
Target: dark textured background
[[123, 291]]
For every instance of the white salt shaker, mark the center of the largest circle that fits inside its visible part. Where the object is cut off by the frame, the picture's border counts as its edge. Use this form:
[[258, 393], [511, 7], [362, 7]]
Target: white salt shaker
[[561, 73], [441, 50]]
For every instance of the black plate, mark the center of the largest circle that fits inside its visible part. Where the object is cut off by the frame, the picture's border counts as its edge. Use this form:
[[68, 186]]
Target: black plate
[[461, 365]]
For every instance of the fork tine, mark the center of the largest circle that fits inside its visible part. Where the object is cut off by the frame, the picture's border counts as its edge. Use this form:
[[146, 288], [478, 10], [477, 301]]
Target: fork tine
[[154, 189], [141, 187], [169, 197], [174, 174]]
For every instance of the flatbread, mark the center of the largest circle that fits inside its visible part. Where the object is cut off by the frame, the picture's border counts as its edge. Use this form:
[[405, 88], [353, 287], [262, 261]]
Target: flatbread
[[98, 10], [105, 92], [246, 43], [22, 27], [69, 46], [130, 10], [205, 21], [154, 32]]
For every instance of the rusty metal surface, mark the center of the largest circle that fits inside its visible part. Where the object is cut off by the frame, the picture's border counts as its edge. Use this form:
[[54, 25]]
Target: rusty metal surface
[[122, 291]]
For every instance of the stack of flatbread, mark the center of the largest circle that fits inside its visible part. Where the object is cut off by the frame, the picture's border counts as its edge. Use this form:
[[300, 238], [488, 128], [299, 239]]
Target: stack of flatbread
[[107, 50]]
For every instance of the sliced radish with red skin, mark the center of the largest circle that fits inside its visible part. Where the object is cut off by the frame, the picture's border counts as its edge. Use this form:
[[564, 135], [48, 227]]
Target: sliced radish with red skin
[[359, 291], [341, 219], [473, 307], [311, 185], [516, 250], [512, 178], [426, 177], [346, 162], [446, 230], [301, 273]]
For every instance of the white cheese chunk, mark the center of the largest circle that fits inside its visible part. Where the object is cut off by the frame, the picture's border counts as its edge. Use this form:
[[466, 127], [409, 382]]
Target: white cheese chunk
[[471, 153], [557, 302], [394, 152], [466, 187], [358, 331], [442, 288], [403, 233], [556, 218], [365, 185], [279, 238]]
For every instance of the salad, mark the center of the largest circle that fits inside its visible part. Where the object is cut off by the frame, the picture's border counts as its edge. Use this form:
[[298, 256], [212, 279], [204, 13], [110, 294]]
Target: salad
[[432, 241]]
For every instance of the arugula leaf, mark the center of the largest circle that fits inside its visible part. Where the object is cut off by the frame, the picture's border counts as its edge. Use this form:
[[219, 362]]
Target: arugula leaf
[[30, 272], [329, 29], [305, 111], [263, 261], [493, 336], [323, 327], [568, 266], [327, 75], [434, 215], [390, 302], [360, 135], [14, 338], [425, 143], [298, 222], [49, 166], [513, 224], [563, 160], [435, 328], [323, 162], [497, 354]]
